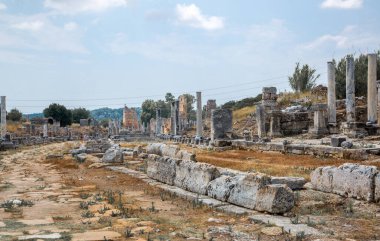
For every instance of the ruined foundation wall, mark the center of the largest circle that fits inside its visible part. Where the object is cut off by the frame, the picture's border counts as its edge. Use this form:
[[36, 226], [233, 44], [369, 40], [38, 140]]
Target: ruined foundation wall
[[251, 190]]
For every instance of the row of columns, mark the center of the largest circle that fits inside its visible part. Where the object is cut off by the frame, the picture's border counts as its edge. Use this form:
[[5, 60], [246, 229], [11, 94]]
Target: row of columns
[[372, 91]]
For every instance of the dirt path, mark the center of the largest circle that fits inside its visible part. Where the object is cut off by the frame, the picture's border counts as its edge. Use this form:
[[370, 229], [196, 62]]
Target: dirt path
[[60, 199]]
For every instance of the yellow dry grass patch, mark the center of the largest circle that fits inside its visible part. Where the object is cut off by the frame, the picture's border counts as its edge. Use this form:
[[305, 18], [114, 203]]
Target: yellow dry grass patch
[[242, 113], [13, 126], [271, 163]]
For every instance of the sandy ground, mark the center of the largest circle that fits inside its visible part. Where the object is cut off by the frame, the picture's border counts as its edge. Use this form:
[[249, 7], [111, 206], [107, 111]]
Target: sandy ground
[[60, 199]]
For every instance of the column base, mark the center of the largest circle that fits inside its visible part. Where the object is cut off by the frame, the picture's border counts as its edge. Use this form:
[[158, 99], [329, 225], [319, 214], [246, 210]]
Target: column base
[[333, 128], [354, 129], [318, 132]]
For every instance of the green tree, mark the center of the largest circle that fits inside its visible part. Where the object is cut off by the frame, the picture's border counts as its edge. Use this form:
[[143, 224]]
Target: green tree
[[361, 75], [80, 113], [303, 79], [14, 115], [148, 111], [169, 97], [165, 108], [192, 115], [59, 113]]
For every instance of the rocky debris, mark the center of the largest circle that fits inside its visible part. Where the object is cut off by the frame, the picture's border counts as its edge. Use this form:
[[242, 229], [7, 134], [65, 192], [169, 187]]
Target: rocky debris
[[54, 156], [336, 141], [130, 153], [81, 157], [347, 144], [221, 187], [285, 223], [294, 183], [138, 149], [348, 180], [113, 154], [172, 151], [296, 108], [193, 176], [81, 149]]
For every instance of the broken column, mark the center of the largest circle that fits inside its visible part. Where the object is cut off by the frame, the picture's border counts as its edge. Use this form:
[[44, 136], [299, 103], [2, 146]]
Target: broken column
[[260, 120], [319, 108], [199, 132], [3, 121], [331, 96], [350, 90], [371, 90], [45, 130], [158, 121], [221, 123]]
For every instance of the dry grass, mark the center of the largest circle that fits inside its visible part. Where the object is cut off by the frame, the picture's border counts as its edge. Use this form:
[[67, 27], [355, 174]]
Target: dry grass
[[242, 114], [271, 163], [132, 144], [13, 127]]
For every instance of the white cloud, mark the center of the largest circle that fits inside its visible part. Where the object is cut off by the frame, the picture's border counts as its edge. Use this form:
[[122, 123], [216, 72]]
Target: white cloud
[[77, 6], [3, 6], [343, 4], [192, 16], [350, 37], [71, 26], [29, 25]]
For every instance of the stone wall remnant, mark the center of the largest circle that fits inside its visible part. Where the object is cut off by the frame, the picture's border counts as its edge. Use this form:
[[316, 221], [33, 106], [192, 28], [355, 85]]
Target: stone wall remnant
[[130, 119], [269, 97], [221, 123], [210, 106]]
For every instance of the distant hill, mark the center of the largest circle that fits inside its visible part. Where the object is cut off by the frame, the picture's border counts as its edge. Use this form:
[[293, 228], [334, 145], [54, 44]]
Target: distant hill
[[98, 114]]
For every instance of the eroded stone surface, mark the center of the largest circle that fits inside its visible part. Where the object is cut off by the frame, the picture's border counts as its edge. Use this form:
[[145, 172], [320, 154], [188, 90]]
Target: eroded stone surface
[[349, 180]]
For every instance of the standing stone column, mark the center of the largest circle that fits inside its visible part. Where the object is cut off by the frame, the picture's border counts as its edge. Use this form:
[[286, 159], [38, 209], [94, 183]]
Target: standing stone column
[[378, 101], [173, 115], [199, 115], [45, 130], [260, 120], [371, 91], [3, 121], [158, 121], [350, 90], [331, 95]]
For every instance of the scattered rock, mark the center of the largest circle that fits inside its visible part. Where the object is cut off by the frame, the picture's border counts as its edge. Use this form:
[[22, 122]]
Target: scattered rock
[[81, 157], [347, 144]]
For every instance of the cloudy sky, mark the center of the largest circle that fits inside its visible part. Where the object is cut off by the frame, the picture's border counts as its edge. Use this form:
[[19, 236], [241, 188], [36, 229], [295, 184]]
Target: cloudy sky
[[95, 53]]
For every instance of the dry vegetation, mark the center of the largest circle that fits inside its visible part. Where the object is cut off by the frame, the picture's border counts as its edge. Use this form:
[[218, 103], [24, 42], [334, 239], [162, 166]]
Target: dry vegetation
[[271, 163], [241, 114]]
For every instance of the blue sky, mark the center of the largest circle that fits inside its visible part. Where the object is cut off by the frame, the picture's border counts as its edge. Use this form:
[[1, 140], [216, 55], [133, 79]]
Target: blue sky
[[95, 53]]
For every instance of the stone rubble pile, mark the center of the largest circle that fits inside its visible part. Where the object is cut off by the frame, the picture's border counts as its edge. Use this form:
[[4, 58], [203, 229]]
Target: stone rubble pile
[[348, 180], [251, 190]]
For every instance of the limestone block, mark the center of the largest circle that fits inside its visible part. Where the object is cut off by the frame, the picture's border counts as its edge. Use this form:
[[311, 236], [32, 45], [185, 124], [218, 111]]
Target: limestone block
[[185, 155], [113, 155], [275, 198], [254, 191], [245, 191], [321, 178], [355, 181], [336, 141], [348, 180], [294, 183], [162, 169], [169, 150], [154, 148], [221, 187], [194, 176]]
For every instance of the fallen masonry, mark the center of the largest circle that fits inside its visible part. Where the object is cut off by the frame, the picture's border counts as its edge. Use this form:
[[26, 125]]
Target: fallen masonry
[[348, 180], [251, 190], [280, 221]]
